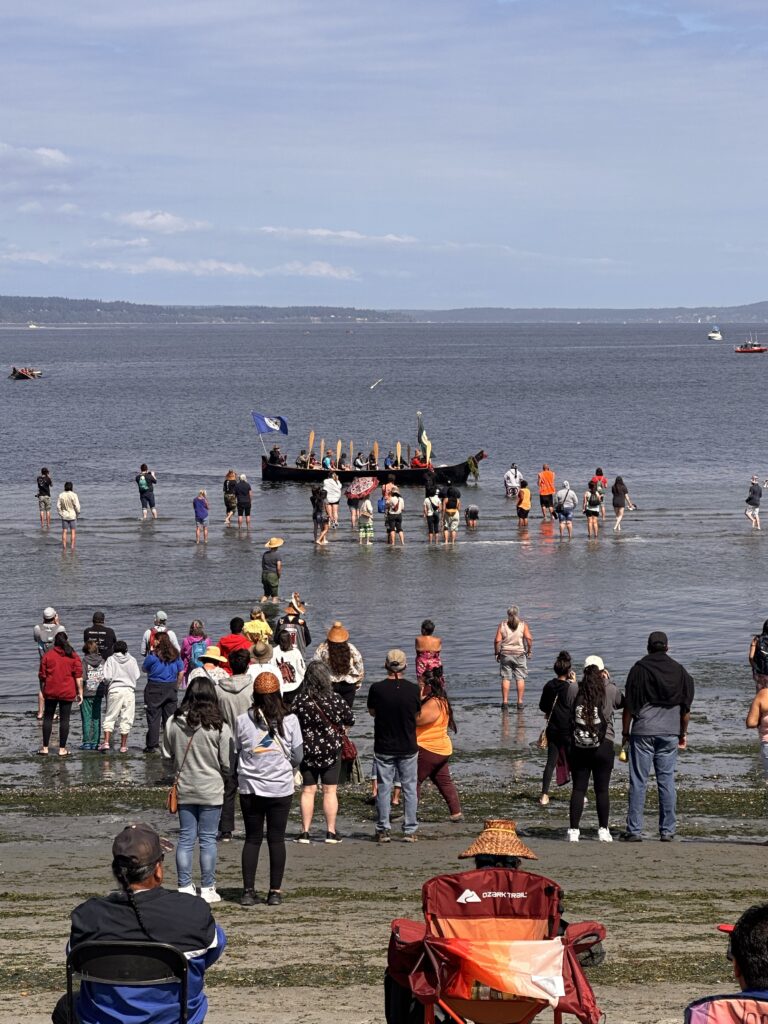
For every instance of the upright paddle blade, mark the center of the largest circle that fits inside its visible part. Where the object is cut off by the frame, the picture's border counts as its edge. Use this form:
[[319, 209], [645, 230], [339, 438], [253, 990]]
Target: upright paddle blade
[[311, 441], [351, 454], [398, 452], [338, 451], [322, 450], [376, 452]]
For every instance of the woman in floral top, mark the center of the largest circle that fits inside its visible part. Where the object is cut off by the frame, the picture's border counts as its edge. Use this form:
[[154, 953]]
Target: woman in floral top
[[344, 662], [323, 716]]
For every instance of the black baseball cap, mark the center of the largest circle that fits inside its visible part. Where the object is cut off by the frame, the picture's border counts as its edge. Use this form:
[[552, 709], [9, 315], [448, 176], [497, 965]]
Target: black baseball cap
[[658, 640], [140, 845]]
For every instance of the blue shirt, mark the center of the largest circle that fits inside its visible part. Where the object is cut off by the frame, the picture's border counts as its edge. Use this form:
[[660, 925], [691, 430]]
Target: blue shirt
[[159, 671]]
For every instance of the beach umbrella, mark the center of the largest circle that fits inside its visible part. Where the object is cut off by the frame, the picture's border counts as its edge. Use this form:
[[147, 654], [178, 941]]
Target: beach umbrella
[[362, 486]]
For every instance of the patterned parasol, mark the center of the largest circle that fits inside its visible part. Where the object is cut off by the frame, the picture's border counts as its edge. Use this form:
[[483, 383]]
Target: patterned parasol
[[362, 486]]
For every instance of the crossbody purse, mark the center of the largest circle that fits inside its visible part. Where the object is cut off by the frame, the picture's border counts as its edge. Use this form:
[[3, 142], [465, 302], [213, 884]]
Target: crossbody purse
[[172, 800], [348, 747], [542, 742]]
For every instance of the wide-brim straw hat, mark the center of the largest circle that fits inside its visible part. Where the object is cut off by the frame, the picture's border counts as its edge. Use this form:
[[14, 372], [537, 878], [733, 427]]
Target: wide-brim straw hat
[[213, 654], [337, 634], [499, 839], [274, 542], [261, 651]]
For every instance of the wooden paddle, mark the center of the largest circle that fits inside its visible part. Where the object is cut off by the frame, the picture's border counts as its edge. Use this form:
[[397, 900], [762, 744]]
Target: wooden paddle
[[338, 452], [311, 442], [322, 450], [409, 455], [398, 452], [376, 452], [351, 455]]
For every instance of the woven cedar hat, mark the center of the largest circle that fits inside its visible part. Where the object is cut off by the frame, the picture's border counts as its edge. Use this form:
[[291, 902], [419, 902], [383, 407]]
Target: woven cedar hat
[[266, 682], [500, 839], [337, 634]]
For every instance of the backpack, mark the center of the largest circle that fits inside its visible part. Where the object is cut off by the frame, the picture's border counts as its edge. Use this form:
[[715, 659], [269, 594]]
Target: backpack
[[584, 738], [196, 652], [451, 504], [143, 483], [593, 501], [153, 636], [760, 656], [382, 504]]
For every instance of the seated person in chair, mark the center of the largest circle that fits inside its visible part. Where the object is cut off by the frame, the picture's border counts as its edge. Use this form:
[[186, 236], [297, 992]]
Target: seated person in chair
[[141, 910]]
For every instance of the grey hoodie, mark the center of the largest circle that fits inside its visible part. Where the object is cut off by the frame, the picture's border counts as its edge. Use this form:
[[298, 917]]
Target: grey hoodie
[[201, 779], [235, 694]]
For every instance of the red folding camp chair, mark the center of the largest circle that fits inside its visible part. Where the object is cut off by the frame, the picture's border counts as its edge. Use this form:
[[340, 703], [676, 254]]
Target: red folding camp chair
[[491, 951]]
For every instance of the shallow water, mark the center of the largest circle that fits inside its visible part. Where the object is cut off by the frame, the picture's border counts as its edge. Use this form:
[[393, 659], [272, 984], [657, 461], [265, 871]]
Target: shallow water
[[671, 412]]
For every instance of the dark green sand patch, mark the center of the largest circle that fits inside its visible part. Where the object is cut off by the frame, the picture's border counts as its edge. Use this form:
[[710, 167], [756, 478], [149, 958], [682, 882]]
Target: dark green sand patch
[[80, 800]]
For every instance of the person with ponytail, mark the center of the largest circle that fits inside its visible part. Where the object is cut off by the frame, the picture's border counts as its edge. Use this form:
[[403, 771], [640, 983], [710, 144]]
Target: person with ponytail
[[269, 749], [435, 747], [61, 683], [198, 740], [141, 910], [591, 745]]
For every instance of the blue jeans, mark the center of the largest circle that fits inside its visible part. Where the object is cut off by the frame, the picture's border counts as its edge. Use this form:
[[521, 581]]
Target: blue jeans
[[661, 753], [387, 766], [197, 821]]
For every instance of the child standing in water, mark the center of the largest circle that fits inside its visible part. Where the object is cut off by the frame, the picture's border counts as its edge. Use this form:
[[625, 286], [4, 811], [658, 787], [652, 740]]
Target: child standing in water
[[200, 505], [428, 650], [365, 521]]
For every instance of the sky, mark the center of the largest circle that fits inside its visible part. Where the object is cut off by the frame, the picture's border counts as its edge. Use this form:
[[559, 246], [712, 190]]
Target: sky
[[399, 154]]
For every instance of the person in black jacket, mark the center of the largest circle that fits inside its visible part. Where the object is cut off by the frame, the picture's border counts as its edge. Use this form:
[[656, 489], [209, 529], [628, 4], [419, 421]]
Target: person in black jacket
[[103, 635], [556, 700]]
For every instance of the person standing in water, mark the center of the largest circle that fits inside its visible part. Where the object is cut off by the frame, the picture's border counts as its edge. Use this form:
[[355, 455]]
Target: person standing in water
[[591, 505], [621, 501], [200, 505], [752, 511], [230, 496], [44, 484], [68, 507], [523, 505], [145, 481], [546, 485], [512, 646], [757, 718]]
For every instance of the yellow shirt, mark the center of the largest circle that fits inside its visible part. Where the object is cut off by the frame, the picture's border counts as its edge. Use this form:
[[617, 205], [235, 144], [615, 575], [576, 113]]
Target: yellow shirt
[[257, 629], [524, 498], [434, 737]]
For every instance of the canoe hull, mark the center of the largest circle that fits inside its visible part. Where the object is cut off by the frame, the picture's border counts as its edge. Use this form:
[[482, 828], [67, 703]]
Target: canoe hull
[[457, 474]]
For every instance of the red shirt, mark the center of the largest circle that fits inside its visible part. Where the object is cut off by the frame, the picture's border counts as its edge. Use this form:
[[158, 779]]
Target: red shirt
[[58, 674], [233, 642]]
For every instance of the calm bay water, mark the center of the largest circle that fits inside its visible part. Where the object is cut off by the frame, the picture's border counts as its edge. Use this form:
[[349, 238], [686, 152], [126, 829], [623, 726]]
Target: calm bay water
[[676, 415]]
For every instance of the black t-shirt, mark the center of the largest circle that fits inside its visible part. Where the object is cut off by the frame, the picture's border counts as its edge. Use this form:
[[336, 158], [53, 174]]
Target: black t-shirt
[[148, 486], [44, 486], [104, 637], [243, 492], [396, 702]]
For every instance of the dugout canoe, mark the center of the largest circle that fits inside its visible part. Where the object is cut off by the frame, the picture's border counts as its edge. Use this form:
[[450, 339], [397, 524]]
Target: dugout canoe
[[457, 474]]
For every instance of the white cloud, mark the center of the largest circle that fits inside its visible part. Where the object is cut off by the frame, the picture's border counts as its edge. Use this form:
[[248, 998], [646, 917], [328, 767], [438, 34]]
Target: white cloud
[[33, 206], [18, 158], [160, 221], [68, 208], [223, 268], [336, 235], [27, 256], [119, 243]]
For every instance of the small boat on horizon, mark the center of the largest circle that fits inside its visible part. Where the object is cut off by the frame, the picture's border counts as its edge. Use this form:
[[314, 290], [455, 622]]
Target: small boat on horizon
[[24, 373], [715, 334]]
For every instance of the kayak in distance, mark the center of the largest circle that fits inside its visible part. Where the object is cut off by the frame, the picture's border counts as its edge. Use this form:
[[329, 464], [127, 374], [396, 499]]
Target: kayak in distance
[[409, 477]]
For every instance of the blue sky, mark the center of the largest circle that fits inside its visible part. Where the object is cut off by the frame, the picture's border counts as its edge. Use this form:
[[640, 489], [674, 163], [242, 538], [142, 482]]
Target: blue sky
[[407, 153]]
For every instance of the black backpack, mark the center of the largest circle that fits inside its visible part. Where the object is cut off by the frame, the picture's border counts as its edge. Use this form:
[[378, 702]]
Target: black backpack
[[584, 738], [760, 656]]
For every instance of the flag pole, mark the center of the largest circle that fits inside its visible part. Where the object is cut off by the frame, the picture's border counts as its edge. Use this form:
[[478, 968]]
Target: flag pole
[[261, 438]]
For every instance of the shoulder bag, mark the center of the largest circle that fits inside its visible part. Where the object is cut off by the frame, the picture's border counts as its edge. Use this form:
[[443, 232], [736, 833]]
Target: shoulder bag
[[172, 800], [542, 742], [348, 747]]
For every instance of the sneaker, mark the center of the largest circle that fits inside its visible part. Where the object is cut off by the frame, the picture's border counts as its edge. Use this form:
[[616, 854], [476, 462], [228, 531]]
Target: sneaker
[[190, 889], [274, 899], [573, 835], [210, 895], [303, 838], [383, 837], [410, 838], [249, 898], [456, 818], [224, 837], [333, 837], [544, 799], [604, 835], [667, 837], [151, 750], [630, 837]]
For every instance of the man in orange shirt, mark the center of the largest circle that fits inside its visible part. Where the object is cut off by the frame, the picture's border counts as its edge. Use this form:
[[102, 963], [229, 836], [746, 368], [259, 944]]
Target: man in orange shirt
[[546, 484]]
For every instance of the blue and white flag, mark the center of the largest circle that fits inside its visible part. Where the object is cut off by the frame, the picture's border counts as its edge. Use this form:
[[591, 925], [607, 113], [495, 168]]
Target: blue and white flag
[[269, 424]]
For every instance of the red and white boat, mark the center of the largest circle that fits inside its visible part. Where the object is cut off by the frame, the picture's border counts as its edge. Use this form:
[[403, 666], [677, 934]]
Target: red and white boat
[[749, 346]]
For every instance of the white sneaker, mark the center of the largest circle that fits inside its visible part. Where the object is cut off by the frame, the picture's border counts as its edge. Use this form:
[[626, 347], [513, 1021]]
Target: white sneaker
[[604, 835], [190, 889], [573, 835], [210, 895]]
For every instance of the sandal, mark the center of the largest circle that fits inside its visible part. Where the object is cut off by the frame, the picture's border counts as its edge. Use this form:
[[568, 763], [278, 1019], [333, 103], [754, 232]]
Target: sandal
[[64, 752], [42, 753]]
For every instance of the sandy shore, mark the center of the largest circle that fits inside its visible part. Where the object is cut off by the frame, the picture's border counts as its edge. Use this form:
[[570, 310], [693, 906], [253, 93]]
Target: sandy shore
[[320, 956]]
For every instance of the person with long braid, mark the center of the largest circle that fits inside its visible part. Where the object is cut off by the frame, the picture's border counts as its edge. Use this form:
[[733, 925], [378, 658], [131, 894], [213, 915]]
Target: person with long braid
[[141, 910]]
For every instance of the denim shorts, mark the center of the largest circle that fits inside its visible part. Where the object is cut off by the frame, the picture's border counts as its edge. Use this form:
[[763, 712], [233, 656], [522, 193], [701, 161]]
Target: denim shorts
[[201, 522], [69, 524], [565, 515]]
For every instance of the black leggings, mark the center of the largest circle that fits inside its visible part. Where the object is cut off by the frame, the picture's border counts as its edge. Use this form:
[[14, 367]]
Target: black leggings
[[65, 708], [553, 749], [599, 764], [255, 809]]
